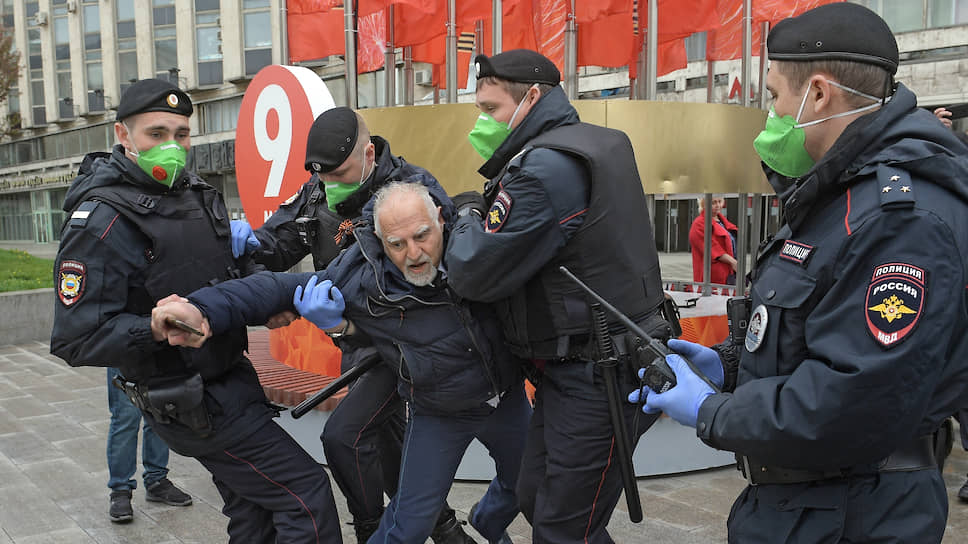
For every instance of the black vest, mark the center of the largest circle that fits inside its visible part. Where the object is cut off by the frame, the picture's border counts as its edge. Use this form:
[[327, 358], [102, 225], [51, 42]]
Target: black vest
[[323, 241], [190, 249], [613, 252]]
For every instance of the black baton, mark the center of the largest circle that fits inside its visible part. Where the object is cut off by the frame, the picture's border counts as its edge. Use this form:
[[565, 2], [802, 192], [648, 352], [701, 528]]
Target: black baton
[[607, 362], [335, 386]]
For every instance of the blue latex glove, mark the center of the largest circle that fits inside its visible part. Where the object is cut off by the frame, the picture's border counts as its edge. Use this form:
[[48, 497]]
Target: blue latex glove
[[321, 304], [705, 359], [243, 240], [682, 402]]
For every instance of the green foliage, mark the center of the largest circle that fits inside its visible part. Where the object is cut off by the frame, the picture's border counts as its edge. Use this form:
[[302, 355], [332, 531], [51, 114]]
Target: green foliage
[[20, 271]]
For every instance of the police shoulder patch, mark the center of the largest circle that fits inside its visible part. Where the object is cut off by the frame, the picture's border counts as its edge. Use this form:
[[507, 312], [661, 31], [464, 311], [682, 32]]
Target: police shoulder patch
[[499, 212], [71, 279], [292, 199], [895, 301]]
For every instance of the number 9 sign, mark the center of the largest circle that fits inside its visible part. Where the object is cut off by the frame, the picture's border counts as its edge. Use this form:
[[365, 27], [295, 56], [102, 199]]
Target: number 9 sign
[[277, 112]]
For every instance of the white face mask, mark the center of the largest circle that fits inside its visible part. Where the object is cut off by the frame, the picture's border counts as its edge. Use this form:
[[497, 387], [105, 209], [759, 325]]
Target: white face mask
[[876, 104], [363, 169], [521, 103]]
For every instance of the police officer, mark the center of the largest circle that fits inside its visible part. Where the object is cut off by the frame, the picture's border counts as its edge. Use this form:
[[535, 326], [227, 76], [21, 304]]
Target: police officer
[[856, 348], [362, 437], [140, 227], [559, 192]]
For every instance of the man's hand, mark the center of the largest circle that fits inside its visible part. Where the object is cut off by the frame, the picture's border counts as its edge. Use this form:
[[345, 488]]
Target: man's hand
[[705, 359], [321, 304], [682, 402], [470, 201], [172, 308], [281, 319], [243, 240], [944, 116]]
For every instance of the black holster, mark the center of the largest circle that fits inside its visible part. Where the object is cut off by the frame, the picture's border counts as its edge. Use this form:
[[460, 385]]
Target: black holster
[[181, 399]]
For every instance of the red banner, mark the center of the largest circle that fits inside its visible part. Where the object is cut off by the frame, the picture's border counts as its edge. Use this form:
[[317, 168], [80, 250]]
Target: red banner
[[314, 35]]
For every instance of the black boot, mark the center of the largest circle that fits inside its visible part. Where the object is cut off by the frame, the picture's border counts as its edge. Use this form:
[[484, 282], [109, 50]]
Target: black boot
[[365, 529], [963, 492], [448, 530]]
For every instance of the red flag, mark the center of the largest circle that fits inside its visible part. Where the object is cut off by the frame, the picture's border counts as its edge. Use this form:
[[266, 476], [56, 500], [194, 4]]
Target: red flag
[[412, 26], [775, 10], [549, 29], [314, 35], [593, 10], [367, 7], [608, 41], [681, 18], [371, 45]]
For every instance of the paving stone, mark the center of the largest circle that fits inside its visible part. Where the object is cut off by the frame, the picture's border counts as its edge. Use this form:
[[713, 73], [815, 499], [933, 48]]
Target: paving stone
[[63, 479], [55, 427], [26, 511], [52, 391], [27, 447], [9, 390], [67, 536], [87, 452], [8, 423], [26, 407]]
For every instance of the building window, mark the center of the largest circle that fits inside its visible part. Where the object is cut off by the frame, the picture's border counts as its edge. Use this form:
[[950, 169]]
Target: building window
[[208, 37], [258, 35], [166, 48], [92, 56], [907, 15], [38, 114], [695, 46], [62, 59], [127, 54], [220, 115]]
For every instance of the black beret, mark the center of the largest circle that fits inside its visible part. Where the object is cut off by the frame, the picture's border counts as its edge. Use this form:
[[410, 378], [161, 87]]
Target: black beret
[[840, 31], [520, 65], [331, 139], [154, 95]]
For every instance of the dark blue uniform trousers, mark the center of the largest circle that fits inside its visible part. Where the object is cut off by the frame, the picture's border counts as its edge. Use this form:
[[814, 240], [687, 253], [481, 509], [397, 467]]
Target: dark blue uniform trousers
[[363, 441], [886, 507], [273, 491], [432, 450], [570, 481]]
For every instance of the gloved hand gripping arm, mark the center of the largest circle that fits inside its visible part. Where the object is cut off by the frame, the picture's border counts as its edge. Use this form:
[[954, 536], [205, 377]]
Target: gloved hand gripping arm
[[243, 239], [321, 304]]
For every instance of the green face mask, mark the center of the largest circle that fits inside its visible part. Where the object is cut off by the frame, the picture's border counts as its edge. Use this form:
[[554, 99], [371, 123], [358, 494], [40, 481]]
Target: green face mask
[[163, 163], [337, 192], [781, 144], [488, 134]]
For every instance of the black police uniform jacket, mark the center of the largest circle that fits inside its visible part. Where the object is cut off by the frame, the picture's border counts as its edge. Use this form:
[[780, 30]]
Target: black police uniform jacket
[[281, 243], [128, 242], [863, 348], [561, 193], [449, 352]]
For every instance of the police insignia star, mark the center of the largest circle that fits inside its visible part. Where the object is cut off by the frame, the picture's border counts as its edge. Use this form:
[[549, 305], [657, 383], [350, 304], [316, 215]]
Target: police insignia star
[[498, 213], [72, 278], [895, 300]]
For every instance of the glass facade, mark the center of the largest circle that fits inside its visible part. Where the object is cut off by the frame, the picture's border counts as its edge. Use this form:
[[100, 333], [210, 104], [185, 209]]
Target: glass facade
[[208, 42], [257, 35], [166, 46], [92, 56], [127, 56]]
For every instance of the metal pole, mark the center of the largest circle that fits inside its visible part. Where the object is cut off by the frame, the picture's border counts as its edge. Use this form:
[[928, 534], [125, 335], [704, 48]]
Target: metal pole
[[284, 8], [764, 63], [710, 76], [643, 67], [349, 22], [652, 50], [707, 243], [757, 225], [747, 51], [390, 62], [408, 82], [497, 26], [451, 56], [742, 237], [571, 54]]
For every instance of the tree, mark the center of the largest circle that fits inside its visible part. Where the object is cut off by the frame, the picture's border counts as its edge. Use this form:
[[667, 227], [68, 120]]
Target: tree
[[9, 73]]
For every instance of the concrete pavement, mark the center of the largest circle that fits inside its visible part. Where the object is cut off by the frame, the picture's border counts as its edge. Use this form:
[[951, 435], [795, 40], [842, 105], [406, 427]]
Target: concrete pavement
[[53, 475]]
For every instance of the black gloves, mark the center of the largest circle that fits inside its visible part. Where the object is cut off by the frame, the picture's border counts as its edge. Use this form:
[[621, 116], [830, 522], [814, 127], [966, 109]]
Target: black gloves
[[470, 201]]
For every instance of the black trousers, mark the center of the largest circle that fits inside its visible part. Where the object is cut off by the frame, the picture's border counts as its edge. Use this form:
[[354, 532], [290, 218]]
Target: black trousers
[[273, 490], [569, 481], [363, 440]]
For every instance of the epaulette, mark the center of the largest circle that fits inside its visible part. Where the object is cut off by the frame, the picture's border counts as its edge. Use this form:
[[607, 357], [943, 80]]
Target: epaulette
[[79, 218], [895, 187]]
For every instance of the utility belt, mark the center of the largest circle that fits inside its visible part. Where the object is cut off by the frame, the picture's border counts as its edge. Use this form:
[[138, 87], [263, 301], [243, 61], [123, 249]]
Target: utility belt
[[179, 399], [916, 455], [583, 347]]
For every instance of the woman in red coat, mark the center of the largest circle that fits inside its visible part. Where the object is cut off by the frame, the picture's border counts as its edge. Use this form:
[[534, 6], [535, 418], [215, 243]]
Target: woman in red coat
[[723, 254]]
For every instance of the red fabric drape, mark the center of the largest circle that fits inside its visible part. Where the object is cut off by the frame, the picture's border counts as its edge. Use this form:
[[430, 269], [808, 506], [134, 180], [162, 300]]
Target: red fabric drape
[[314, 34]]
